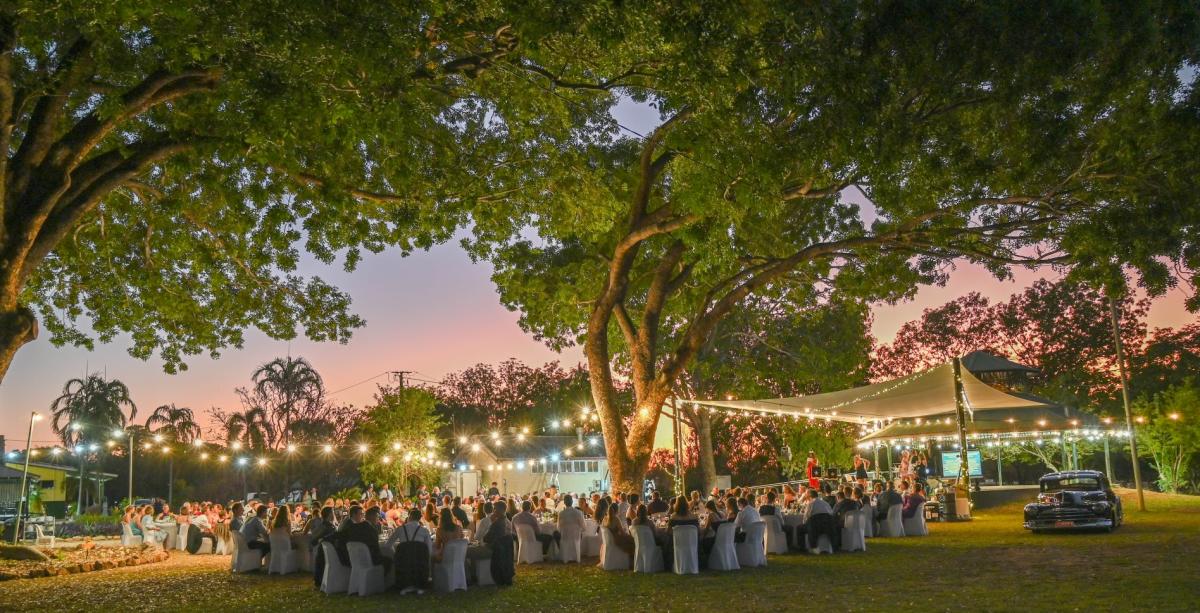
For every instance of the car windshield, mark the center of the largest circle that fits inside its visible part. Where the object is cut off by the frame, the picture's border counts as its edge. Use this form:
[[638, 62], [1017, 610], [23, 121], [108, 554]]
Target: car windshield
[[1087, 484]]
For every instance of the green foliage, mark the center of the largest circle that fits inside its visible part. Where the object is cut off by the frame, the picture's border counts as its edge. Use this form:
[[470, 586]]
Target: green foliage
[[405, 417], [349, 493], [94, 404], [832, 442], [1170, 436]]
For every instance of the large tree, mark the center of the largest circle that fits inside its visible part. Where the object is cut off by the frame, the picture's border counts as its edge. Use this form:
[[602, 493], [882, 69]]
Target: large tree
[[90, 408], [1047, 142], [177, 425], [161, 163], [288, 387]]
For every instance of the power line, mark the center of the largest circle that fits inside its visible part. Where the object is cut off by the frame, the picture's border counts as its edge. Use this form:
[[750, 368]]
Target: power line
[[367, 380]]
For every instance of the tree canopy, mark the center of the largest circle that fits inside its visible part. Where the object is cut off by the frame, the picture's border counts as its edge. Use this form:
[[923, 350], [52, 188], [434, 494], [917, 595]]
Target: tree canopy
[[1045, 145]]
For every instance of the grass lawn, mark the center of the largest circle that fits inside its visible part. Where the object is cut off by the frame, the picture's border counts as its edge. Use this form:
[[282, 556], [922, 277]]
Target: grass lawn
[[990, 564]]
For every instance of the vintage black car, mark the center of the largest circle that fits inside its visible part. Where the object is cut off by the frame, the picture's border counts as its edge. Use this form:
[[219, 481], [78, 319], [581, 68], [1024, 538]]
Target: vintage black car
[[1075, 499]]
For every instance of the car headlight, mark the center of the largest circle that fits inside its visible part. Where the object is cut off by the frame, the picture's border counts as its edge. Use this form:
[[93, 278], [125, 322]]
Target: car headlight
[[1100, 507]]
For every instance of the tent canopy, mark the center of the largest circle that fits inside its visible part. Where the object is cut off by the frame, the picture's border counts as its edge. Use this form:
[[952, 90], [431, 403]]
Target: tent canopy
[[924, 394]]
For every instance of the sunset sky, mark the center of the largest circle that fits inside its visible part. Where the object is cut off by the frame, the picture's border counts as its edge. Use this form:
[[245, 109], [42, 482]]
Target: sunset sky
[[432, 313]]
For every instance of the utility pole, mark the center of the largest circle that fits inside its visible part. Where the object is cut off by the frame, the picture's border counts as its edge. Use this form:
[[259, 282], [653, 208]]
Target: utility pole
[[1137, 472], [399, 374]]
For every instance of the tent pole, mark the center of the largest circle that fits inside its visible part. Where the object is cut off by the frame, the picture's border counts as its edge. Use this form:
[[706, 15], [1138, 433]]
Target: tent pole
[[1000, 467], [964, 477]]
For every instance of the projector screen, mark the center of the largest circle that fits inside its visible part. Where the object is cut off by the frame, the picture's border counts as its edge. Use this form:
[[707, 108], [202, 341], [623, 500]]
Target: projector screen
[[950, 462]]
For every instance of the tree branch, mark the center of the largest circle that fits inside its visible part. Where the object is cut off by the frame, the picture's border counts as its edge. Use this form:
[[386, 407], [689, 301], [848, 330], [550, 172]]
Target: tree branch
[[603, 85]]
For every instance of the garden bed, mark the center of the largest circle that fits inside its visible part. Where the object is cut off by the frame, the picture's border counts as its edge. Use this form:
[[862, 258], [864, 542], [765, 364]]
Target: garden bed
[[81, 559]]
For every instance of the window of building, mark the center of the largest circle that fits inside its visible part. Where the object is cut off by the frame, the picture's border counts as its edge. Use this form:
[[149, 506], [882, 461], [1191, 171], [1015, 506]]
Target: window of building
[[593, 466], [564, 467], [535, 467], [580, 466], [47, 484]]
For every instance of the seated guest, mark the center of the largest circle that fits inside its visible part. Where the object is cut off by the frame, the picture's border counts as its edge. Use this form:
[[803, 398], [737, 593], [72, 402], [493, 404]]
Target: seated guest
[[281, 525], [527, 518], [130, 518], [746, 517], [585, 507], [827, 494], [818, 519], [318, 529], [411, 561], [789, 497], [499, 539], [768, 507], [569, 515], [459, 512], [255, 531], [844, 505], [237, 519], [448, 530], [886, 500], [199, 519], [620, 533], [657, 504], [913, 502], [358, 530], [151, 533], [631, 512]]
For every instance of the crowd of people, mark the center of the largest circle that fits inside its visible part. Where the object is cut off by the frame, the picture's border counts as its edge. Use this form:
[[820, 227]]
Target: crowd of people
[[389, 525]]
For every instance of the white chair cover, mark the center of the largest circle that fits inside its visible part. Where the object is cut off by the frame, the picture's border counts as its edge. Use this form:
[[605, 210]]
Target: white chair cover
[[893, 526], [824, 545], [723, 555], [529, 550], [647, 557], [752, 552], [336, 578], [304, 558], [128, 538], [915, 525], [686, 541], [483, 572], [852, 533], [591, 540], [282, 560], [611, 556], [181, 537], [867, 515], [451, 573], [571, 545], [366, 577], [244, 558], [776, 540]]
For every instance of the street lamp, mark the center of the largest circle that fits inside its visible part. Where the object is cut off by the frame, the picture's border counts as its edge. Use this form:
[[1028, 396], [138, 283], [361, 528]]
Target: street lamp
[[34, 416], [118, 434]]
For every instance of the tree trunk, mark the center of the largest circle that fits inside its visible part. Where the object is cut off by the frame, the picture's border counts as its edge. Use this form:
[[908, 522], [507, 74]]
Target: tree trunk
[[18, 326], [171, 482], [708, 459]]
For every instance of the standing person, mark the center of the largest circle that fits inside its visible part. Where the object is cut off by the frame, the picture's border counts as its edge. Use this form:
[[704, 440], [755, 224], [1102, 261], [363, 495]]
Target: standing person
[[861, 465], [905, 465], [811, 470], [256, 533], [385, 494], [493, 491]]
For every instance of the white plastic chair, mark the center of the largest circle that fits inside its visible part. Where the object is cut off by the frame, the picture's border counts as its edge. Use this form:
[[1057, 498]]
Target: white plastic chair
[[451, 573], [529, 550], [686, 541], [752, 552], [866, 516], [244, 558], [366, 577], [282, 559], [647, 556], [776, 540], [128, 538], [571, 544], [724, 555], [40, 536], [611, 556], [852, 533], [915, 525], [336, 579], [892, 526], [181, 537]]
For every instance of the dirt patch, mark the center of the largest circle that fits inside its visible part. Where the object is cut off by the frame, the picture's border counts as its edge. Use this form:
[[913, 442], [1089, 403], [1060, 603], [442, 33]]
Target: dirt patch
[[83, 558]]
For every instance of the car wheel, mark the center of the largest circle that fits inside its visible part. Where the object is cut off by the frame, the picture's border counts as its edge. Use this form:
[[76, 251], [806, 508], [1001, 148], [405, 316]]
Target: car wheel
[[1112, 517]]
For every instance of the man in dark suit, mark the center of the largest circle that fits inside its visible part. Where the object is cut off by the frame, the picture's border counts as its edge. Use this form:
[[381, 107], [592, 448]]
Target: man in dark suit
[[493, 491], [358, 530], [657, 504]]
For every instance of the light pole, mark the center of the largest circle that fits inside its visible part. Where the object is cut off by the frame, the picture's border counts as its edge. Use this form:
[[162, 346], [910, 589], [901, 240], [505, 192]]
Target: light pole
[[34, 416], [119, 434], [80, 449]]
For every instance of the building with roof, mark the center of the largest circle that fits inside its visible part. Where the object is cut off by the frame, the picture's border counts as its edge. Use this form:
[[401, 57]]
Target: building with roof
[[520, 463], [48, 482]]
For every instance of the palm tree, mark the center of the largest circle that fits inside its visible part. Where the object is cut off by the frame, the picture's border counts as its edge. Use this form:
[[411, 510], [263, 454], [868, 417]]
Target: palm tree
[[86, 406], [90, 405], [249, 427], [177, 424], [287, 380]]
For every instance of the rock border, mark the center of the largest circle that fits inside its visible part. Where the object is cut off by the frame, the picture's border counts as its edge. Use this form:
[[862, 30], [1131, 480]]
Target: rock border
[[57, 568]]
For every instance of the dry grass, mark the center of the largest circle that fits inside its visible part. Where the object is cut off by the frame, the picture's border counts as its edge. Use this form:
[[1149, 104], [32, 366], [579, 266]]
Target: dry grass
[[989, 564]]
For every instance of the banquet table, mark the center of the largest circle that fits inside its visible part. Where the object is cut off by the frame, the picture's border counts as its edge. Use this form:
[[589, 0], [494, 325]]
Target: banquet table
[[172, 532]]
